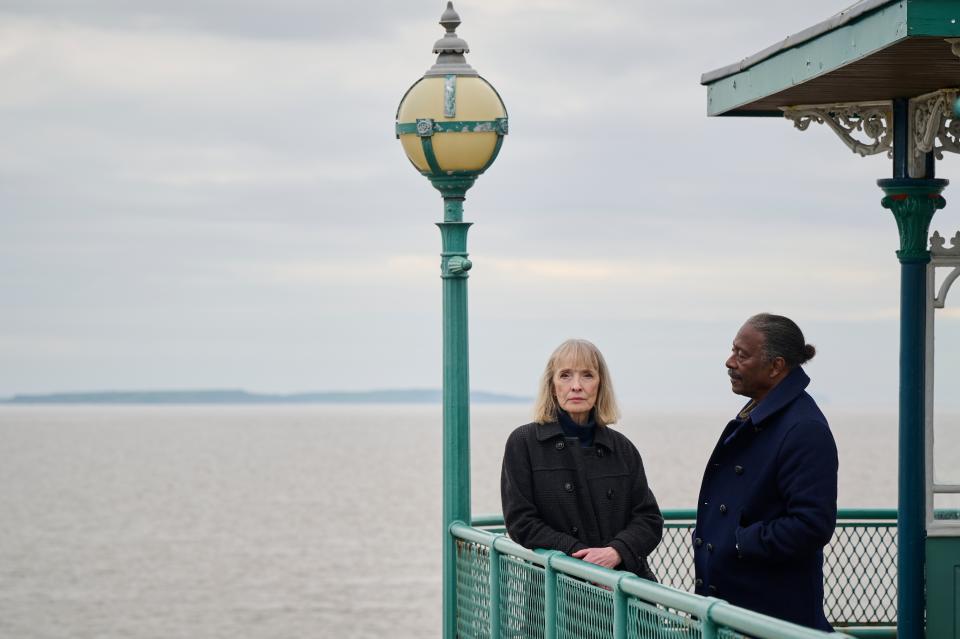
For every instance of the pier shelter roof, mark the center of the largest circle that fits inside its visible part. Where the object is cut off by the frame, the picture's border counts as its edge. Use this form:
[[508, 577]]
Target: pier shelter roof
[[873, 50]]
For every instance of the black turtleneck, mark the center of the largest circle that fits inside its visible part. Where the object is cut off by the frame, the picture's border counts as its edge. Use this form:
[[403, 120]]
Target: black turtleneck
[[574, 430]]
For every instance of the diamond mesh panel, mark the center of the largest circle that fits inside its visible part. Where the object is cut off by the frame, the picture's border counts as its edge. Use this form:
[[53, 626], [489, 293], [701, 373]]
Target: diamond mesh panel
[[672, 561], [860, 575], [473, 590], [647, 621], [859, 570], [521, 599], [584, 611]]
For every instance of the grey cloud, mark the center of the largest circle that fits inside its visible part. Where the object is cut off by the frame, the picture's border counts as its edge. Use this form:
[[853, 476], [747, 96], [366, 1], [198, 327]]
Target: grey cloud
[[256, 19], [173, 200]]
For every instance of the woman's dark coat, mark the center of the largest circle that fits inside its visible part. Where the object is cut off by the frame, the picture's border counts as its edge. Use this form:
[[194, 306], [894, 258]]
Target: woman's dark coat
[[768, 506], [562, 496]]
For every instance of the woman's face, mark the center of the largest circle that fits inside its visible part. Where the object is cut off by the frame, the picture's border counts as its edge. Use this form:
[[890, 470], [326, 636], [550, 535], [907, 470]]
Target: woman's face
[[576, 389]]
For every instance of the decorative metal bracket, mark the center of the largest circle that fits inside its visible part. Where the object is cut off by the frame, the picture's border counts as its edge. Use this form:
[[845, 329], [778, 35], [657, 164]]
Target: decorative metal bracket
[[940, 255], [932, 121], [873, 119], [954, 45]]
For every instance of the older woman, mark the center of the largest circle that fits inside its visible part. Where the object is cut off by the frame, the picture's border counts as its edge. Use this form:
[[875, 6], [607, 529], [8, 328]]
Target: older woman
[[572, 483]]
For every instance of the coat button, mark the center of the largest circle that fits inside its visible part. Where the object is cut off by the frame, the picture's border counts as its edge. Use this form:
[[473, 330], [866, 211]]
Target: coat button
[[738, 470], [712, 589], [560, 445], [574, 530], [723, 509], [697, 542], [698, 583], [568, 487], [610, 494], [709, 547]]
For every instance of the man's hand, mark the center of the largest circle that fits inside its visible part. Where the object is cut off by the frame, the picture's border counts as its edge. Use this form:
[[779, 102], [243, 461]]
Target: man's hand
[[607, 557]]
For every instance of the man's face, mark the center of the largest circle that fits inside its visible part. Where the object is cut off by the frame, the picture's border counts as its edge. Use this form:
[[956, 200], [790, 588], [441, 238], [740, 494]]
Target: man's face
[[750, 375]]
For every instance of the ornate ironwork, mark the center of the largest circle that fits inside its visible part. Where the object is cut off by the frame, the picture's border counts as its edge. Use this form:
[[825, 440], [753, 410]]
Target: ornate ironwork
[[938, 248], [940, 255], [933, 127], [871, 119], [424, 127], [954, 46]]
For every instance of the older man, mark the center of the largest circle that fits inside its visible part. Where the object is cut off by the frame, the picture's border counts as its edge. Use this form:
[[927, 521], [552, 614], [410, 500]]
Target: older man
[[768, 501]]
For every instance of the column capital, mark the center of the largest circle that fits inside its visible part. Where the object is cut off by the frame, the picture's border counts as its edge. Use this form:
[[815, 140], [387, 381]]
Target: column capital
[[913, 203]]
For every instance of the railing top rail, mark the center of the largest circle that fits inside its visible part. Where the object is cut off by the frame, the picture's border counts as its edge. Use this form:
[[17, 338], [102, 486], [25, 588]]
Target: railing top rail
[[499, 542], [488, 520], [690, 514], [755, 624]]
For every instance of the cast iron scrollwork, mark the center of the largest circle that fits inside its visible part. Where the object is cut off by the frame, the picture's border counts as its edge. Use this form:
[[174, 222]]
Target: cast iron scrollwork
[[940, 255], [933, 121], [867, 119]]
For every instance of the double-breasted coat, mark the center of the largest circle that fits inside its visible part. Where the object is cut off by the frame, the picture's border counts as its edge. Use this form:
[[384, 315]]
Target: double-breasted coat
[[559, 495], [768, 506]]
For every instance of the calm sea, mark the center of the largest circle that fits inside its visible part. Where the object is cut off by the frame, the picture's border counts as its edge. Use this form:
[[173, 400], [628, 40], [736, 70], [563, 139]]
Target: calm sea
[[281, 522]]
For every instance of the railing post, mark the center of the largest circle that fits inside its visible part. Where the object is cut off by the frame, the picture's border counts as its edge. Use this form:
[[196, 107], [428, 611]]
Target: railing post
[[494, 589], [619, 611], [708, 627], [550, 597]]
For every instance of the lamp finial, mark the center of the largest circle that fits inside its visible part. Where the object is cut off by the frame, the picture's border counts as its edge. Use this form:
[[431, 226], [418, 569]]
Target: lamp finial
[[451, 48], [450, 19]]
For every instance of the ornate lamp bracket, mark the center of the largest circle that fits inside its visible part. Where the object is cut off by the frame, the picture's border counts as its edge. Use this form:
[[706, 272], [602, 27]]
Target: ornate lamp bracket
[[941, 256], [933, 127], [872, 120]]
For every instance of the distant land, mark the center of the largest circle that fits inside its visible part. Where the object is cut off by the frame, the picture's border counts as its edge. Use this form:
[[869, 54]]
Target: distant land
[[410, 396]]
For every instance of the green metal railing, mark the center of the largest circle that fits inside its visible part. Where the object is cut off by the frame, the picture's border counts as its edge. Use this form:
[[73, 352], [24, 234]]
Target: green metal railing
[[505, 590], [859, 564]]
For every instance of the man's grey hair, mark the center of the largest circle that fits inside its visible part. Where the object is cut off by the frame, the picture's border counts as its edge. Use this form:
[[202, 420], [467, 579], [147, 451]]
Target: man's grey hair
[[782, 338]]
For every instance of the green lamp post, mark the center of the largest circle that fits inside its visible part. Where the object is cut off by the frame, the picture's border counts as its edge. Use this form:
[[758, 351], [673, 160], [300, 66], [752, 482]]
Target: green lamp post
[[451, 124]]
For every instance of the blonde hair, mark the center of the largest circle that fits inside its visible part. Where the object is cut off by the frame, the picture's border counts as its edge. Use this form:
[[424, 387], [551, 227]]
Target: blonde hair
[[580, 354]]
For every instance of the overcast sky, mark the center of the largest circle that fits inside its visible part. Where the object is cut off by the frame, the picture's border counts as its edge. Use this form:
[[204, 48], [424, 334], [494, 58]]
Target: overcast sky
[[208, 194]]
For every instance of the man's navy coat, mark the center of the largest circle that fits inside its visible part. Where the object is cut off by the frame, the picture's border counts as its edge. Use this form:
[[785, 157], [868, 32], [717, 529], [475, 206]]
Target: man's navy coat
[[768, 506]]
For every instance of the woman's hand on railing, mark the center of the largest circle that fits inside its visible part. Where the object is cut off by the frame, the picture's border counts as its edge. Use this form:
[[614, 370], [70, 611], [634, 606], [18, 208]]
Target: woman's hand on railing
[[607, 557]]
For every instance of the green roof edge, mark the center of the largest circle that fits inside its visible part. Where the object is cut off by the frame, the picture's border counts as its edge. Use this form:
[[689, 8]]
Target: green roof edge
[[860, 31]]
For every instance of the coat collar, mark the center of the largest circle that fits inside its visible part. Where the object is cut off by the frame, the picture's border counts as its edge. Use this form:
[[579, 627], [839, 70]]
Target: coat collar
[[782, 394], [601, 434]]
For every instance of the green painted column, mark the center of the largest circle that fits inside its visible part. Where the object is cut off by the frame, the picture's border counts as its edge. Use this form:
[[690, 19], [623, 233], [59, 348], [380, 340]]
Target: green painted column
[[913, 203], [454, 266]]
